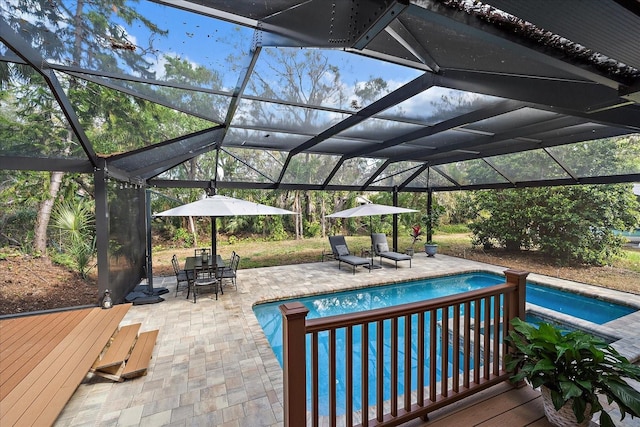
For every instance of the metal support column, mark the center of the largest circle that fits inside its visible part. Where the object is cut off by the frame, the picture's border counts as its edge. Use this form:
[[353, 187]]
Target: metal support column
[[102, 229], [395, 220], [148, 219], [429, 213]]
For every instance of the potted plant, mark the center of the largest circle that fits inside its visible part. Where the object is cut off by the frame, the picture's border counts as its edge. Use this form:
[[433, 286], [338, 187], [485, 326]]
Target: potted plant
[[431, 221], [571, 369], [416, 233]]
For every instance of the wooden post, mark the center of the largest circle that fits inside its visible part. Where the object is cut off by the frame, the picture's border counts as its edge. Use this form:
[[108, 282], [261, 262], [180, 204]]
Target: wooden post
[[517, 304], [518, 298], [294, 363]]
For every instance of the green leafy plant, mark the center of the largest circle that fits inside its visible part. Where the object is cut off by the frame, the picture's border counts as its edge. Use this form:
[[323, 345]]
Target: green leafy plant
[[575, 367], [432, 220], [184, 237], [75, 220]]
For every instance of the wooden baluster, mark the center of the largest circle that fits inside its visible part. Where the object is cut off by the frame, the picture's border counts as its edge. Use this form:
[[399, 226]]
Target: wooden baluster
[[444, 350], [433, 337], [456, 348], [466, 361], [408, 338], [476, 341], [349, 375], [421, 361], [332, 378], [496, 335], [394, 367], [487, 332], [364, 377], [314, 380], [380, 370]]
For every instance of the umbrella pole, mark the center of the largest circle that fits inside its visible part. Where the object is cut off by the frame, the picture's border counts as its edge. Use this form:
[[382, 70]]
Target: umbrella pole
[[214, 235], [371, 248]]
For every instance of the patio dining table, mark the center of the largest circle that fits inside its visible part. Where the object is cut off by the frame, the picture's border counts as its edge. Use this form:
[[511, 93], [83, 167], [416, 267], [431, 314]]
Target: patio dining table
[[195, 262]]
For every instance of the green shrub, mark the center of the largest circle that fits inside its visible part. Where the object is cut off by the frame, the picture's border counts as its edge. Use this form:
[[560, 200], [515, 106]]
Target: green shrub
[[572, 224], [311, 228], [277, 231], [18, 228], [182, 237]]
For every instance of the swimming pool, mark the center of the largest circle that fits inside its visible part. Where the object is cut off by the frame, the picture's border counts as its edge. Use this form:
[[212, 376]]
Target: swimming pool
[[326, 305]]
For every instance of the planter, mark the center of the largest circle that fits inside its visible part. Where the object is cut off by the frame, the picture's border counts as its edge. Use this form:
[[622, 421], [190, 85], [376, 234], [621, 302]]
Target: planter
[[430, 249], [409, 251], [563, 417]]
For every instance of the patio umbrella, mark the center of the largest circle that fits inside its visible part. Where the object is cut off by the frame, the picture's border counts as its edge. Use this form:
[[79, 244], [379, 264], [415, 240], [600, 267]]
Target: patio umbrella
[[370, 209], [217, 205]]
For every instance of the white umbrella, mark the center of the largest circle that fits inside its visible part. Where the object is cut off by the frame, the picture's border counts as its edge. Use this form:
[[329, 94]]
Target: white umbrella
[[370, 209], [217, 205]]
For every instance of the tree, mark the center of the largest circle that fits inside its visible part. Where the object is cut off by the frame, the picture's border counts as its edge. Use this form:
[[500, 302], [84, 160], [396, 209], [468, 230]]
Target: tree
[[77, 33], [569, 224], [299, 77], [504, 219]]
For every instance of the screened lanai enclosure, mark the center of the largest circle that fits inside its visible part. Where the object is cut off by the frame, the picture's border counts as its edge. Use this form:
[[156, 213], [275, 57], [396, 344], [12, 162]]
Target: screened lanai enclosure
[[366, 95]]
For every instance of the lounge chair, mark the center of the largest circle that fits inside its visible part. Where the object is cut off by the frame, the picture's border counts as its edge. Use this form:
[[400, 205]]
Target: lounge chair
[[381, 249], [341, 254]]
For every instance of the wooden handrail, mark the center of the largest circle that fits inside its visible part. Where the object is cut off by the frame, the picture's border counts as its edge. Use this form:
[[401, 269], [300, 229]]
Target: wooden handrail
[[470, 324]]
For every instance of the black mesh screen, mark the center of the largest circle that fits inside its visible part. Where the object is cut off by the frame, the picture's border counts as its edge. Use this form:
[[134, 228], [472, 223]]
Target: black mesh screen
[[126, 239]]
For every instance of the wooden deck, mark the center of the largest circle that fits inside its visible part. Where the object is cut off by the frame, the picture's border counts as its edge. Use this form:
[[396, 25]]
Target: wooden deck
[[44, 358], [498, 406]]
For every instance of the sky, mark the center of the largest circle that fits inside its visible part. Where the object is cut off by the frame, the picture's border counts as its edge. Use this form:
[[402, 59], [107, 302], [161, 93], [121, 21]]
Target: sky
[[209, 42]]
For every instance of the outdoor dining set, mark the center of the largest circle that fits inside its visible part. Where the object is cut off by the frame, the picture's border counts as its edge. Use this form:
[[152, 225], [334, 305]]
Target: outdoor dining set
[[202, 270]]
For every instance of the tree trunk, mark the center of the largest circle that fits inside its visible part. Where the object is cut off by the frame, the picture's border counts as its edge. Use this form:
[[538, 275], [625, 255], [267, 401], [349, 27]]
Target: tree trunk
[[44, 213], [323, 213], [192, 229], [298, 219]]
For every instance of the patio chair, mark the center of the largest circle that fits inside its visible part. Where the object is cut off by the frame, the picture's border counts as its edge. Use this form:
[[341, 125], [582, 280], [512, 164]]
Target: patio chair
[[204, 277], [205, 253], [341, 254], [183, 277], [230, 272], [381, 249]]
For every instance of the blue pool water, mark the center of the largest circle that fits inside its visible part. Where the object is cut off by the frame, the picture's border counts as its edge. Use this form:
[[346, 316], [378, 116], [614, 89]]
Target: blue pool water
[[580, 306], [269, 316]]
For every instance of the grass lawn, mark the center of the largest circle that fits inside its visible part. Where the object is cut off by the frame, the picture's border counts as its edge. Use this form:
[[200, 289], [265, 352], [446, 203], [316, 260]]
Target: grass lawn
[[623, 274]]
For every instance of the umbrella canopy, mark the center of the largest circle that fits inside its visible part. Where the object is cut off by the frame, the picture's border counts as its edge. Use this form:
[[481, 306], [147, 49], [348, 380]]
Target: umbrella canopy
[[223, 206], [217, 205], [370, 209]]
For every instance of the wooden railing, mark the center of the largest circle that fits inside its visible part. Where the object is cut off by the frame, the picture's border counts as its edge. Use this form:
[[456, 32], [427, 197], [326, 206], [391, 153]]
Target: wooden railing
[[455, 349]]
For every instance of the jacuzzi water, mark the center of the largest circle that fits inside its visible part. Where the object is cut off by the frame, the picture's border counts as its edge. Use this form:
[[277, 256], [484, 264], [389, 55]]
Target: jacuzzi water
[[269, 317], [580, 306]]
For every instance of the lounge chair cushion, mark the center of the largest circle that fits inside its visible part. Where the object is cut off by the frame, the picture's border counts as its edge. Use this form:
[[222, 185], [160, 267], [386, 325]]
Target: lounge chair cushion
[[383, 247], [395, 256], [342, 250]]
